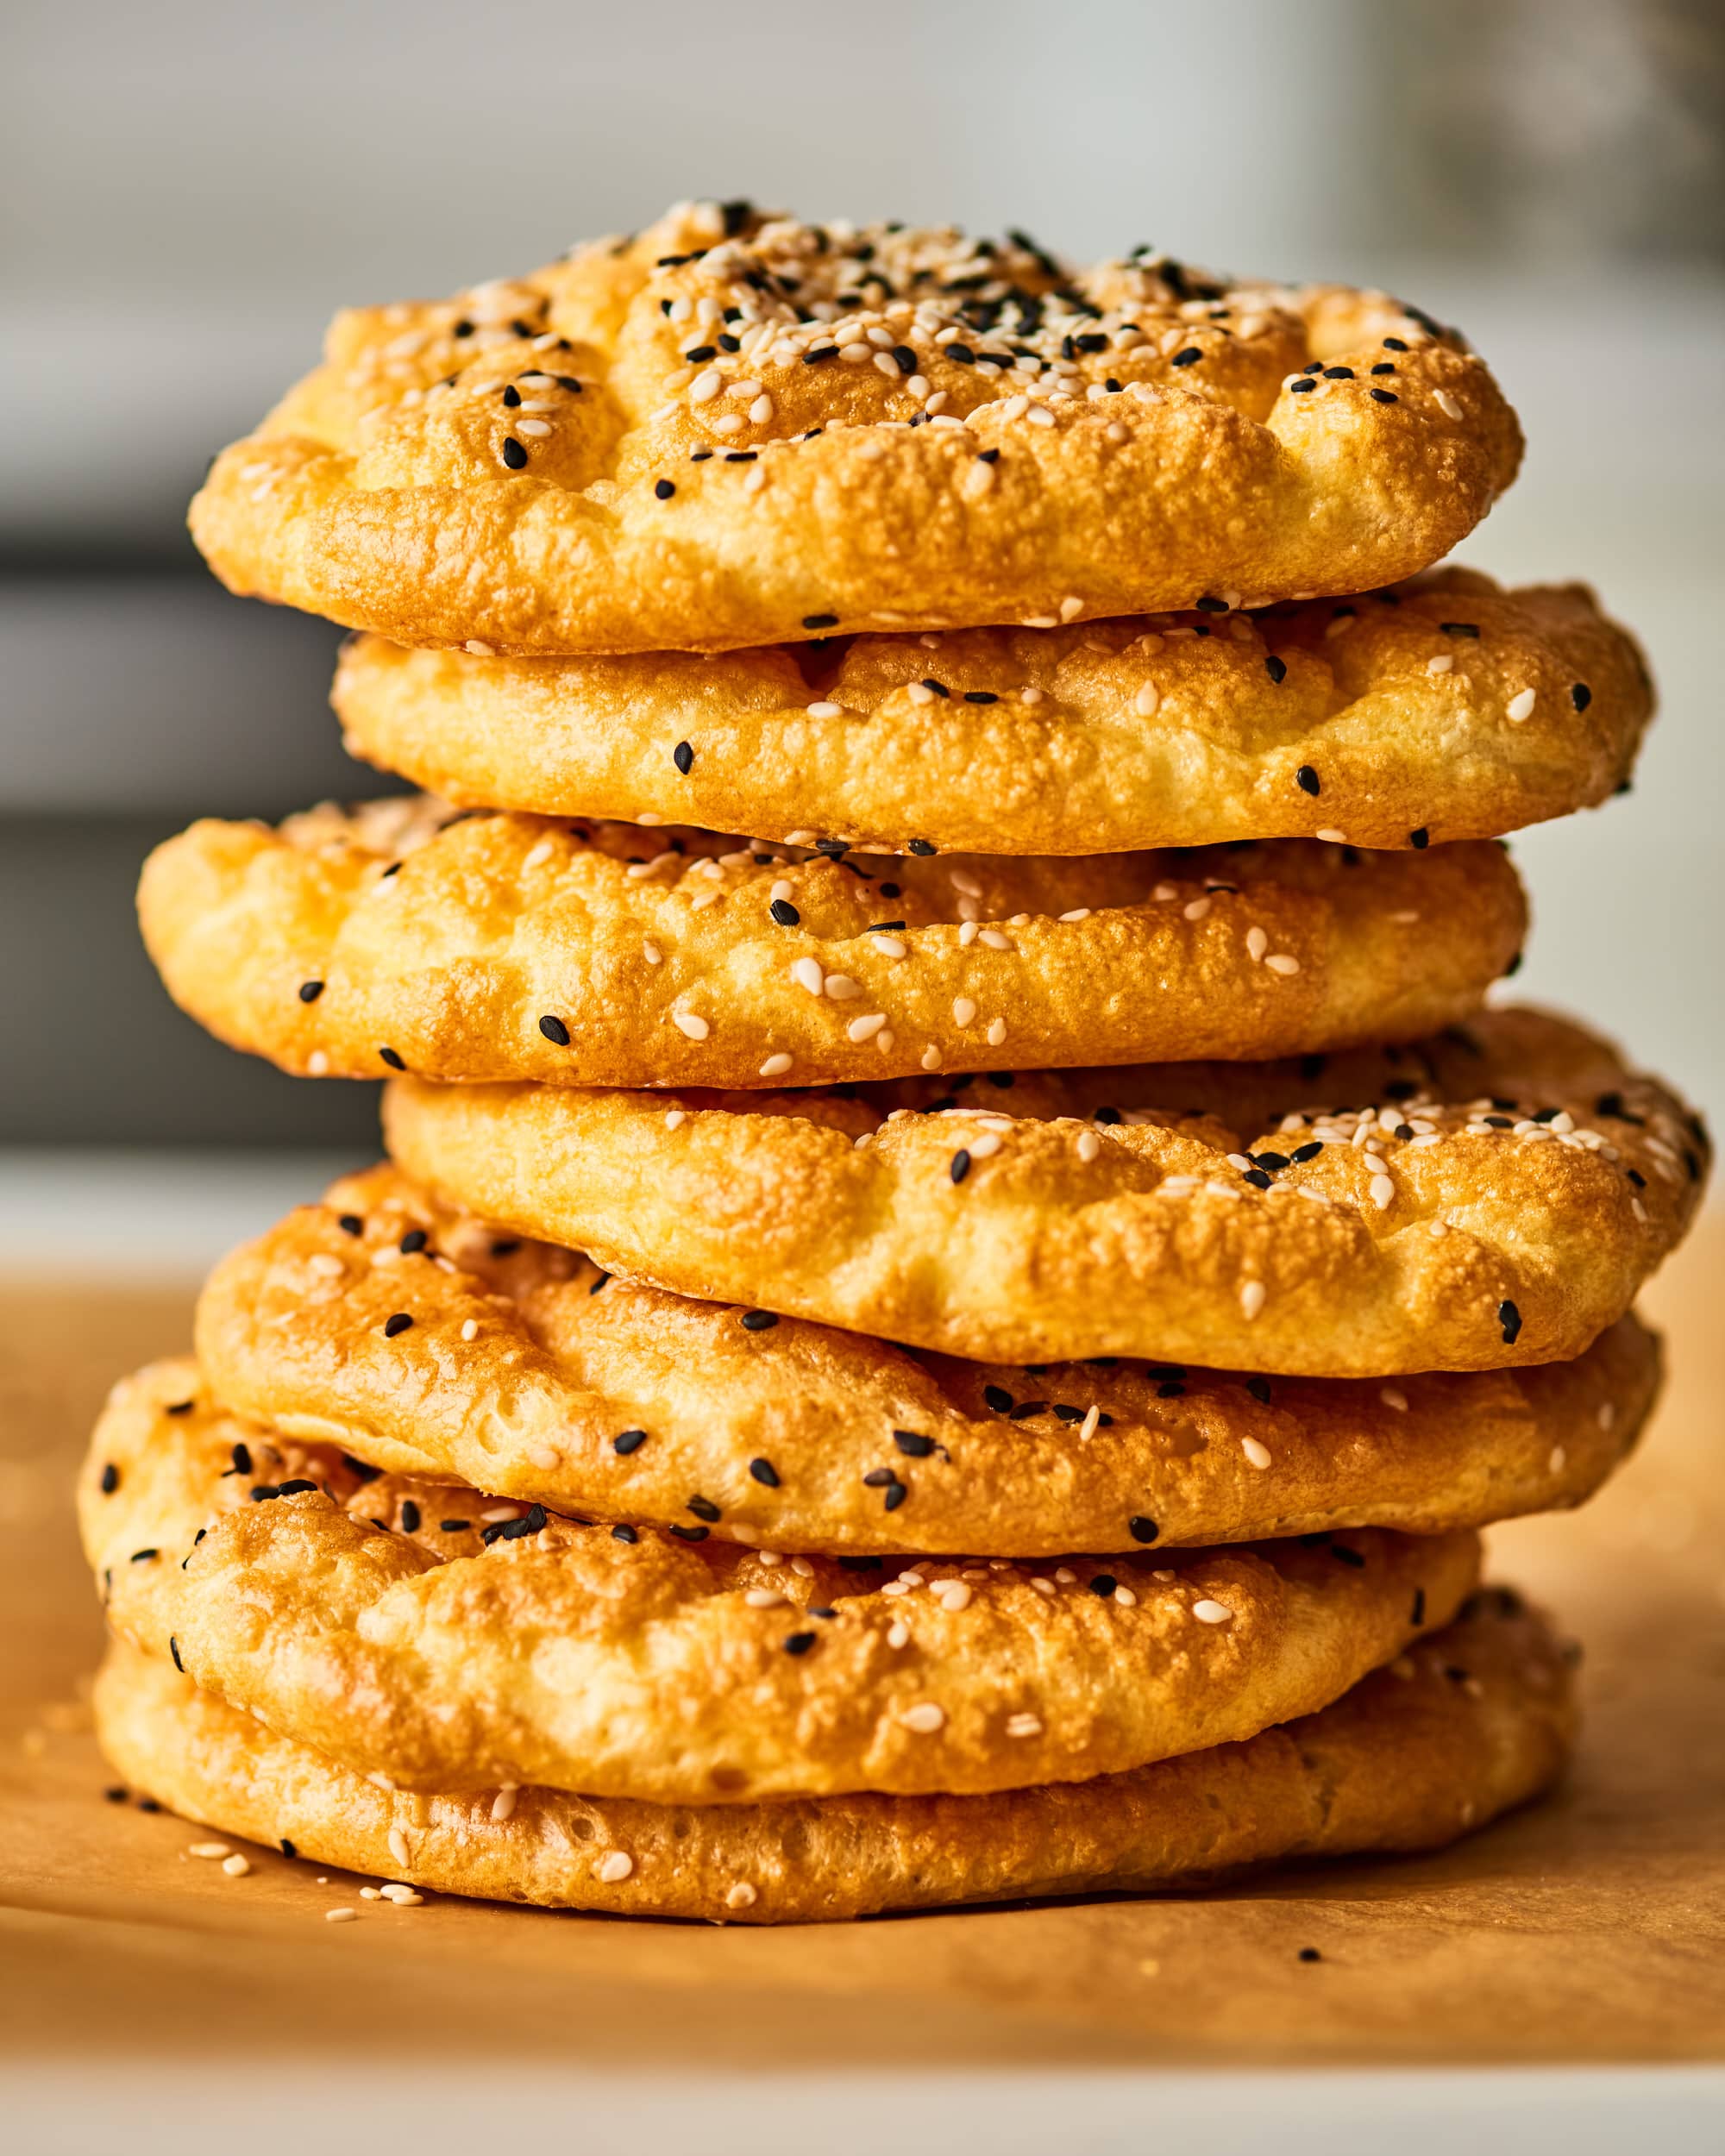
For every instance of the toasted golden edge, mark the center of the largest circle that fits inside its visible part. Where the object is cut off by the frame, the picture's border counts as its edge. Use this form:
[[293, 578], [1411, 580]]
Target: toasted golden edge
[[1098, 738], [524, 1367], [1481, 1238], [373, 1620], [1476, 1720], [388, 491], [508, 947]]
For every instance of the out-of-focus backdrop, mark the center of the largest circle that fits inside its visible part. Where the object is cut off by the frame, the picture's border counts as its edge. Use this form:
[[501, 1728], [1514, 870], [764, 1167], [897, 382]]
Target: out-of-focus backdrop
[[193, 186]]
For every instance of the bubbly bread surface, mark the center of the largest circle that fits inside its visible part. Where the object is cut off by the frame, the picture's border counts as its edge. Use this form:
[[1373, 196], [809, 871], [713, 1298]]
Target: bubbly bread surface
[[1491, 1197], [735, 429], [1448, 708], [1473, 1720], [410, 1627], [525, 1371], [403, 935]]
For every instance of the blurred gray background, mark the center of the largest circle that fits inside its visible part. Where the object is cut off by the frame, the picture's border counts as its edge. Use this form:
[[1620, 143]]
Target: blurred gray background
[[191, 188]]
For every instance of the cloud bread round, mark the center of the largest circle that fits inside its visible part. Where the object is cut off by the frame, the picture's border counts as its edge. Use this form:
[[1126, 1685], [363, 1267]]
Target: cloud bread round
[[525, 1371], [1447, 707], [1499, 1201], [354, 941], [1475, 1720], [661, 443], [398, 1627]]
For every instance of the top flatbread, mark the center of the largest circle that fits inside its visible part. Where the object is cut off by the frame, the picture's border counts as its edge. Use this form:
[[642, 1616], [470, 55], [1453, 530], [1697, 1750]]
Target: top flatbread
[[661, 443]]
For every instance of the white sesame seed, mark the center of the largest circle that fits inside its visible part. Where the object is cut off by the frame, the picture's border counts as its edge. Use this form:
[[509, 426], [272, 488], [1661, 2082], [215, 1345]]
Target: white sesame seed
[[1258, 1454], [1393, 1396], [705, 387], [898, 1633], [1521, 706], [963, 1010], [740, 1896], [213, 1849], [1123, 1598], [316, 1063], [1331, 835], [537, 429], [1256, 942], [1253, 1295], [614, 1867], [1195, 909], [1070, 608], [1381, 1192], [841, 987], [995, 940], [1606, 1415], [1280, 962], [865, 1028], [1446, 404], [931, 1058], [1559, 1459], [398, 1845], [984, 1145], [925, 1718], [1442, 664], [996, 1033], [760, 411], [776, 1066], [341, 1916], [1211, 1613], [807, 972], [480, 650], [1088, 1145], [687, 1022], [402, 1897], [952, 1595], [1024, 1725]]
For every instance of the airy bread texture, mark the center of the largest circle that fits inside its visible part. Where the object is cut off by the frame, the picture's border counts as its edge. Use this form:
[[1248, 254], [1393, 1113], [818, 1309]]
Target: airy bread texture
[[353, 941], [409, 1628], [737, 430], [526, 1372], [1499, 1203], [1477, 1719], [1447, 707]]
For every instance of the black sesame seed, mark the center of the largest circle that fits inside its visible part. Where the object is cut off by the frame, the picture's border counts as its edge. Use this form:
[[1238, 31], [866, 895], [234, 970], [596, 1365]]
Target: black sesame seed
[[1385, 397], [1274, 1162], [1259, 1389], [1276, 668], [398, 1323], [820, 352], [390, 1057], [148, 1804], [1580, 695], [1383, 366], [988, 456], [998, 1398], [1394, 344], [924, 849], [784, 914], [181, 1408], [287, 1847], [625, 1534], [913, 1443], [961, 354], [699, 354], [907, 360], [1418, 1614], [980, 696], [800, 1642], [513, 454], [1343, 1555], [759, 1320], [1338, 374], [820, 621], [1299, 388], [110, 1479], [1307, 781], [1188, 357], [1419, 840], [351, 1224], [554, 1030], [1510, 1318], [689, 1534], [664, 489], [961, 1165], [512, 396], [310, 991], [1461, 629], [413, 1242], [1104, 1584], [173, 1649], [115, 1795], [1311, 1953], [1143, 1528], [703, 1508], [1105, 1115], [628, 1441], [504, 1248], [455, 1527], [1309, 1150], [409, 1517], [683, 757], [765, 1471], [1209, 605]]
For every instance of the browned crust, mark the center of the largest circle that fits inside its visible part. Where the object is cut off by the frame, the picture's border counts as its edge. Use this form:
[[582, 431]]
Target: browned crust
[[524, 1365], [502, 947], [378, 496], [1466, 1236], [1474, 1720], [1098, 738], [351, 1618]]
